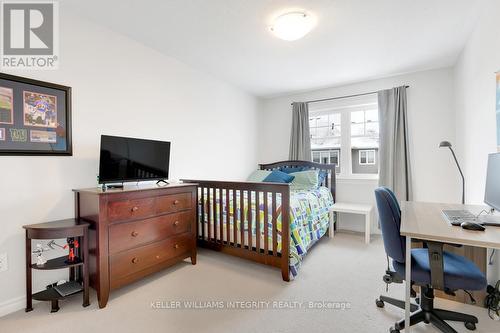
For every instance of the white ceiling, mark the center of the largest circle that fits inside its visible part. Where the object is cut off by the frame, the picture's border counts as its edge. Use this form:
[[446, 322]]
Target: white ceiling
[[354, 40]]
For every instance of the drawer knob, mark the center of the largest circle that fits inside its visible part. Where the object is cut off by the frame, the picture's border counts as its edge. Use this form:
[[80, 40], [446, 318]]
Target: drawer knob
[[134, 234], [134, 209], [176, 223], [176, 246], [158, 257], [135, 260], [176, 202]]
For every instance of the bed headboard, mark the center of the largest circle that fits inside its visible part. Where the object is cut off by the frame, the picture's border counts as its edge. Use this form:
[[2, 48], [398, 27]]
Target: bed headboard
[[330, 180]]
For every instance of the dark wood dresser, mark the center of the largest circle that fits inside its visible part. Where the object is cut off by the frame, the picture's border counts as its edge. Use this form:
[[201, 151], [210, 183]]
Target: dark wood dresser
[[136, 231]]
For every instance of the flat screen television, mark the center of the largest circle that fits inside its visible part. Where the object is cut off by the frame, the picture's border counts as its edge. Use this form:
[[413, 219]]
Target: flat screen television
[[128, 159]]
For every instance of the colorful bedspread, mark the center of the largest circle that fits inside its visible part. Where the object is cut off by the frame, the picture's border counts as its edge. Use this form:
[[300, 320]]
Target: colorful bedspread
[[309, 221]]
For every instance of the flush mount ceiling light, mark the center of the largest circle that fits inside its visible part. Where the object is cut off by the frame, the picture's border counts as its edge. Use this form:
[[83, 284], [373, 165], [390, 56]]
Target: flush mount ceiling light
[[293, 25]]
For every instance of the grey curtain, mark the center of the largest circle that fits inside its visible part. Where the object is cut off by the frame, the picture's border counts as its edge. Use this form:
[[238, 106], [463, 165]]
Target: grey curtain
[[395, 169], [300, 139]]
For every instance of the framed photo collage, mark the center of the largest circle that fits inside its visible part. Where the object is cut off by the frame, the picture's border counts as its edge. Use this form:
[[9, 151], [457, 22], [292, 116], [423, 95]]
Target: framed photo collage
[[35, 117]]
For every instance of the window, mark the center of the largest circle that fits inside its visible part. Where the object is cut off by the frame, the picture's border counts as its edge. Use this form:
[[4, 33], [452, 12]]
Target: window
[[326, 156], [364, 123], [346, 132], [325, 131], [364, 141], [367, 157]]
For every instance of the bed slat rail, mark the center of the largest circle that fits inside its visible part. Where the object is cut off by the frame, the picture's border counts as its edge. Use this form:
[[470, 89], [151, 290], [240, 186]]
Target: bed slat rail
[[254, 222]]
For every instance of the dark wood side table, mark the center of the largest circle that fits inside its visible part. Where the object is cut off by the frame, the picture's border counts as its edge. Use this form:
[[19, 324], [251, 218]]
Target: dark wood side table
[[53, 230]]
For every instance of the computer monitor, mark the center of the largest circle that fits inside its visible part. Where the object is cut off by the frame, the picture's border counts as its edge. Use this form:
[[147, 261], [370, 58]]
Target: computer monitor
[[492, 191], [491, 198]]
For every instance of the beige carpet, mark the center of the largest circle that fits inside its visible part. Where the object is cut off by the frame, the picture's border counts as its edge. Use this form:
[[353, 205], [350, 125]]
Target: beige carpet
[[342, 269]]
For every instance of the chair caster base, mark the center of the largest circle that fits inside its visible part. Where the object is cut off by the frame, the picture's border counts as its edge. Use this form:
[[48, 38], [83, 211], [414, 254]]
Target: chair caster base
[[470, 326], [426, 313], [379, 303]]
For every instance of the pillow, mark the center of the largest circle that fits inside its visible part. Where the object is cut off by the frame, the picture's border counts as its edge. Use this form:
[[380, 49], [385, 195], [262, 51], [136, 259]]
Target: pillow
[[321, 177], [279, 177], [305, 180], [258, 176], [292, 169]]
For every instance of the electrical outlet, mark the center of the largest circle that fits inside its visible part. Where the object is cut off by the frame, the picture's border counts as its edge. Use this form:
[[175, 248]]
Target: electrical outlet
[[4, 263]]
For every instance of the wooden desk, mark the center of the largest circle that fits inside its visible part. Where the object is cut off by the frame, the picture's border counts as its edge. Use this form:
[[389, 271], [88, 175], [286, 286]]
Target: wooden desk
[[425, 221]]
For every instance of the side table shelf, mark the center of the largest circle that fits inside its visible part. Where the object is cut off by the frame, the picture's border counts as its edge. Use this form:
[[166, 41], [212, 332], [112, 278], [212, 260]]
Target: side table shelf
[[78, 270], [57, 263]]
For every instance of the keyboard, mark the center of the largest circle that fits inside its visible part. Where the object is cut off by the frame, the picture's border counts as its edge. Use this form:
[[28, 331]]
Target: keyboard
[[457, 217], [68, 288]]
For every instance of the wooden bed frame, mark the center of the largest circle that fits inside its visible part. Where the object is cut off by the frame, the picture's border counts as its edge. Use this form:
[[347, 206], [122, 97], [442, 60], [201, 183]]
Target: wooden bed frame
[[227, 242]]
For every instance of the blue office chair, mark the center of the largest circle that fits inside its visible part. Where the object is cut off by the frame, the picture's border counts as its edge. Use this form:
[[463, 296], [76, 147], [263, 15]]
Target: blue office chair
[[456, 272]]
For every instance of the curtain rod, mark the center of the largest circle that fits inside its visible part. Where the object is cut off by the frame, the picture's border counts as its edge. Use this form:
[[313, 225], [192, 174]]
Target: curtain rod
[[341, 97]]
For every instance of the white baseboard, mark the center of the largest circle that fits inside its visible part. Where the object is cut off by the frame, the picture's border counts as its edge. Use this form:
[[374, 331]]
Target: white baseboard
[[12, 305]]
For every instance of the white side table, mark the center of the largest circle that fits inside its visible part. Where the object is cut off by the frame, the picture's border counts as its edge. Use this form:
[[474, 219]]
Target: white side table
[[353, 208]]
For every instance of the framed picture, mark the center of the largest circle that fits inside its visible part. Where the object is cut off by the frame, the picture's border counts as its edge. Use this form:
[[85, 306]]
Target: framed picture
[[35, 117], [6, 110]]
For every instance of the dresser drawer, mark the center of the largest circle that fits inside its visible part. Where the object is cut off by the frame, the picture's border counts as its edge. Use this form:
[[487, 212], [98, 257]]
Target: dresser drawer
[[173, 203], [128, 209], [133, 261], [124, 236]]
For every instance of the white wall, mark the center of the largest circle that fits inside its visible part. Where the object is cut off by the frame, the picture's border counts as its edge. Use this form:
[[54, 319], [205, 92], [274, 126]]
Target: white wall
[[475, 87], [475, 104], [431, 120], [121, 88]]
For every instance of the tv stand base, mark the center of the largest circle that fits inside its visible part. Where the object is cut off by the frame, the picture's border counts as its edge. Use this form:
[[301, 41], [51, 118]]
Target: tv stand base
[[111, 186]]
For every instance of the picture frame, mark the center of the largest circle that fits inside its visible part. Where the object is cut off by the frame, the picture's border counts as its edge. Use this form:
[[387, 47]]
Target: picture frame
[[35, 117]]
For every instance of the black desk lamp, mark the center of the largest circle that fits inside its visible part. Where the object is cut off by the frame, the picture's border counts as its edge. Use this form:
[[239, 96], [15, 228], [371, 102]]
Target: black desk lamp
[[445, 144]]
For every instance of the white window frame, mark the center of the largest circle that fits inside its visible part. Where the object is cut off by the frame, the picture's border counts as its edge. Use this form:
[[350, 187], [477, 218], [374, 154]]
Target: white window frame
[[367, 151], [364, 123], [331, 136], [345, 107]]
